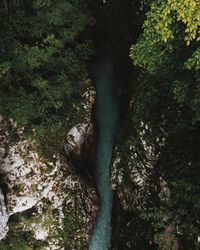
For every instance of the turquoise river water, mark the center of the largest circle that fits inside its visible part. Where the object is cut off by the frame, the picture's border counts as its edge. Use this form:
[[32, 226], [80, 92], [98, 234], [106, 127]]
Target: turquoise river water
[[107, 120]]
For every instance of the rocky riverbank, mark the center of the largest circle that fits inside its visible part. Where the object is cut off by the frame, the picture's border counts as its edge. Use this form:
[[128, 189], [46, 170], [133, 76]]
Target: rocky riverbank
[[44, 203]]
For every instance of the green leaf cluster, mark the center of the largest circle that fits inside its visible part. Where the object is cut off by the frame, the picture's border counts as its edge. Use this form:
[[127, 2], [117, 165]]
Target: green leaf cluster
[[43, 62], [166, 98]]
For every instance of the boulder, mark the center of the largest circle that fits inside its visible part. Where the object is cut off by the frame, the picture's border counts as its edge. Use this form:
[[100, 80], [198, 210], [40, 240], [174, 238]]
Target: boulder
[[77, 136]]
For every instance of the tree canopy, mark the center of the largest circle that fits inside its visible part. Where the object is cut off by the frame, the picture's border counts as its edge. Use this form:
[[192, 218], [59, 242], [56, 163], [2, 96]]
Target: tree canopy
[[43, 60], [166, 99]]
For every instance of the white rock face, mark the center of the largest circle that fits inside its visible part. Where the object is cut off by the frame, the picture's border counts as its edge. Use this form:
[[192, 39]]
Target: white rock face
[[41, 234], [138, 169], [27, 178], [46, 187], [3, 217], [77, 135]]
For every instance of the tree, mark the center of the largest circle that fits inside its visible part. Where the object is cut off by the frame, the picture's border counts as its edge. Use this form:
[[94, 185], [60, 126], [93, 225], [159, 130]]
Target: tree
[[167, 98], [43, 59]]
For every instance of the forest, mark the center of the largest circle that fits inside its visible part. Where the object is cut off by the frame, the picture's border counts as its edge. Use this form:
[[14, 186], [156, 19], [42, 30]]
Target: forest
[[100, 124]]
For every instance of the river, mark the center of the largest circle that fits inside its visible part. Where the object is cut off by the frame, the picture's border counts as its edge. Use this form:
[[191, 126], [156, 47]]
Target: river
[[107, 121]]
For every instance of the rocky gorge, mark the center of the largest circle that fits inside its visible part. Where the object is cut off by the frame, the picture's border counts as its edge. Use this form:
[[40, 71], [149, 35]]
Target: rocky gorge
[[99, 125]]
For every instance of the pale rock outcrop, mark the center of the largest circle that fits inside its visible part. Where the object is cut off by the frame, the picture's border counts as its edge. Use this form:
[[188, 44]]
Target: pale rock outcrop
[[3, 217], [46, 187], [48, 190], [27, 178], [138, 170], [77, 136]]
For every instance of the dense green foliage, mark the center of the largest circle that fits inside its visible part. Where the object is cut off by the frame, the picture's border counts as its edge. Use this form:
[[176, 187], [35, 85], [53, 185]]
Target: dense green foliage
[[167, 100], [43, 60]]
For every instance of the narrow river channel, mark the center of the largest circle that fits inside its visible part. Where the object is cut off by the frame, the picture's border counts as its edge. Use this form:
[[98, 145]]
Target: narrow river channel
[[107, 120]]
